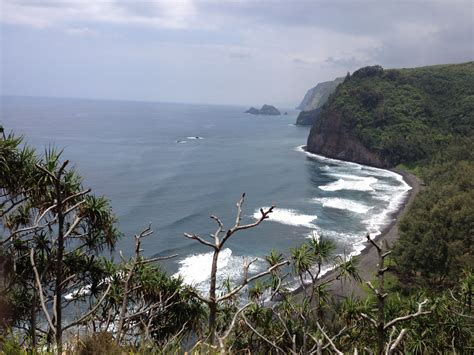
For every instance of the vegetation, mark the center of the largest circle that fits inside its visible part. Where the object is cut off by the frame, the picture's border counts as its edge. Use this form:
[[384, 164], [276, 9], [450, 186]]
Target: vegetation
[[422, 119], [61, 290], [437, 233], [407, 115], [132, 306]]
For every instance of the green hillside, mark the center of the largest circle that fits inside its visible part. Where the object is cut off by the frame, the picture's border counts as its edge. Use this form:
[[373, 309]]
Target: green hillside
[[404, 115]]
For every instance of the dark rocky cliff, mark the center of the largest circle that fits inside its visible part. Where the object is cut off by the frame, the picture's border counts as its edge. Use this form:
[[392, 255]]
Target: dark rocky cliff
[[307, 118], [329, 137]]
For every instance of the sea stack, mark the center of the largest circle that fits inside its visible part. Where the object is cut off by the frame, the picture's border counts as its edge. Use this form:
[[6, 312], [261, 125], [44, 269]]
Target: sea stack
[[267, 110]]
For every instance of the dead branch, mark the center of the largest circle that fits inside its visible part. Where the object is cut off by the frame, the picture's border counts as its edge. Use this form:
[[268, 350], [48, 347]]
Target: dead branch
[[419, 312], [246, 281], [393, 346], [261, 336], [200, 240], [231, 326], [329, 340], [40, 291], [92, 311]]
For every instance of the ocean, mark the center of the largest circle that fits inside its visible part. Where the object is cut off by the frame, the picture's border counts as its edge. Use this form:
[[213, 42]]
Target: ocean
[[174, 165]]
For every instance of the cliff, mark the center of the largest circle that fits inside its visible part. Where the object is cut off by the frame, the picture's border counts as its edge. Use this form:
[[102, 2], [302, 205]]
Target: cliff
[[386, 117], [313, 101], [265, 110], [307, 118], [317, 96]]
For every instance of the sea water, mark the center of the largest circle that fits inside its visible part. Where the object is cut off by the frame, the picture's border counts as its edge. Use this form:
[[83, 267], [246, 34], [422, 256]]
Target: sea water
[[174, 165]]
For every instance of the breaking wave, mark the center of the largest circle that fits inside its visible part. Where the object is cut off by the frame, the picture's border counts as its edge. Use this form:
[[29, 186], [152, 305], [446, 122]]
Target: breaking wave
[[195, 269], [289, 217], [342, 204], [359, 184]]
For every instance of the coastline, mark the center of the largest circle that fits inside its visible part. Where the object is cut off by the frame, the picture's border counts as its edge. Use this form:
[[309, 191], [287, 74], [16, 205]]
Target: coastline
[[368, 257]]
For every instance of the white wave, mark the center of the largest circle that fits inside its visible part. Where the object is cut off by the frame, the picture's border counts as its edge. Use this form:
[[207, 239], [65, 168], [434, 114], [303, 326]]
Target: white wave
[[343, 204], [377, 222], [289, 217], [302, 149], [83, 291], [181, 142], [362, 184], [194, 137], [196, 269]]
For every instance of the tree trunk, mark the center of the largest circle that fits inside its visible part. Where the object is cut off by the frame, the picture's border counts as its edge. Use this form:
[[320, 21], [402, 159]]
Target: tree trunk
[[33, 322], [381, 306], [212, 297], [59, 268]]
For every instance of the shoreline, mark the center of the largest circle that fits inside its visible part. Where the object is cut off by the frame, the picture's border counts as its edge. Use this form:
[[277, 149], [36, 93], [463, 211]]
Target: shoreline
[[367, 257]]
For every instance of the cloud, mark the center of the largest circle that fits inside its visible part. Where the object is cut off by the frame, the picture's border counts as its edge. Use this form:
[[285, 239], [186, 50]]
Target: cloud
[[80, 31], [303, 62], [262, 50], [240, 55], [41, 14], [347, 62]]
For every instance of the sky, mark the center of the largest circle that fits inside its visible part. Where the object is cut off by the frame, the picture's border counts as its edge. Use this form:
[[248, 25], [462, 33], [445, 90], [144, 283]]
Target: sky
[[238, 52]]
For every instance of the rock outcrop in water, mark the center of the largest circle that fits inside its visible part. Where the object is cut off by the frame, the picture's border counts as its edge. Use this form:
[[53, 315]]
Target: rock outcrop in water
[[268, 110], [314, 99], [387, 117]]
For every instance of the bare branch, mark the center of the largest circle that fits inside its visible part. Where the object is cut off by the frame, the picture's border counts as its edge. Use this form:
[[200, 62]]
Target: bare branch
[[397, 341], [238, 227], [72, 227], [77, 194], [342, 331], [370, 319], [32, 228], [419, 312], [147, 261], [261, 336], [229, 329], [219, 229], [92, 311], [47, 172], [199, 239], [246, 281], [329, 340], [371, 241], [201, 298], [375, 290], [40, 291]]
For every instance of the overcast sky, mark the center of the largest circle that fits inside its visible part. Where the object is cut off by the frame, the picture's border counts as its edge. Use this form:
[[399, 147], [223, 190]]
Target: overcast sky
[[220, 52]]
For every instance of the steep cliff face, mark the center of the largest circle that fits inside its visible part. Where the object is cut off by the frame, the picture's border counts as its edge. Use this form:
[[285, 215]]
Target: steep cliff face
[[329, 137], [317, 96], [386, 117], [313, 101], [307, 118]]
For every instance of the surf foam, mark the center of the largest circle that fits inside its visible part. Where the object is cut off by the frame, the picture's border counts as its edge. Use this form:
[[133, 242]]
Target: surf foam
[[342, 204], [361, 184], [195, 269], [289, 217]]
